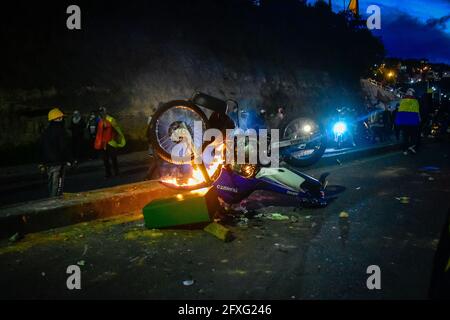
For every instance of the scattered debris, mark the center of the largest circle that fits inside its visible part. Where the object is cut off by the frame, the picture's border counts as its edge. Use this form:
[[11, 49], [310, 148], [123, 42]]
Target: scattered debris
[[343, 215], [430, 179], [188, 283], [219, 231], [284, 248], [403, 200], [243, 222], [16, 237], [308, 217], [224, 261], [277, 217], [85, 249], [339, 162], [293, 219], [358, 188], [81, 263]]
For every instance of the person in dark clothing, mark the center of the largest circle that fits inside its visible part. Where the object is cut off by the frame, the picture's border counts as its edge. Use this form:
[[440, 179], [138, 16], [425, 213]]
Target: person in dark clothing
[[91, 128], [55, 152], [155, 162], [77, 126], [387, 121], [408, 119], [395, 127]]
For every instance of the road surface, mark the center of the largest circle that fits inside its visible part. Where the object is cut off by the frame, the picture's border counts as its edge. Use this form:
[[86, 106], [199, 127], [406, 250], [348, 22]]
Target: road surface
[[396, 209]]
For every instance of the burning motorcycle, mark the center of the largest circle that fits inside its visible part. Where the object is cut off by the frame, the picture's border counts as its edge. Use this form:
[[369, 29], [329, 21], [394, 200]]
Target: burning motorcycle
[[173, 130]]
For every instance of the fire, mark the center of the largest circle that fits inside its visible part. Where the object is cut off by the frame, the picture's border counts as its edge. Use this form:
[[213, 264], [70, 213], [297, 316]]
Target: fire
[[196, 177]]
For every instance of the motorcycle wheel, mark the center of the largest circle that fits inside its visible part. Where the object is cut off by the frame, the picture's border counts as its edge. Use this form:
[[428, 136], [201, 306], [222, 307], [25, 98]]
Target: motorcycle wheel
[[177, 111], [159, 133], [318, 149]]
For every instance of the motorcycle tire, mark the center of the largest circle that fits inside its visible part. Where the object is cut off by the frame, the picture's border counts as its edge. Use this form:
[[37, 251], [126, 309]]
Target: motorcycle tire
[[161, 152], [314, 157], [166, 156]]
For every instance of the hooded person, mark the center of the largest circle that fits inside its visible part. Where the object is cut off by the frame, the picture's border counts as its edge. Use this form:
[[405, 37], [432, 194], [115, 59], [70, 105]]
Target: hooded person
[[408, 121], [77, 126], [55, 152], [108, 139]]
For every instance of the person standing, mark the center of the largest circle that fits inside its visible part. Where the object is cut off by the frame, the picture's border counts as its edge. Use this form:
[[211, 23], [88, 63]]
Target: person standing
[[155, 162], [277, 120], [77, 126], [108, 139], [408, 120], [91, 128], [55, 152]]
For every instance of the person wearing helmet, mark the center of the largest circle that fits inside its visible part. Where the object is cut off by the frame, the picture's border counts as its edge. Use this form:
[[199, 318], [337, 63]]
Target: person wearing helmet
[[56, 154], [108, 139], [408, 120]]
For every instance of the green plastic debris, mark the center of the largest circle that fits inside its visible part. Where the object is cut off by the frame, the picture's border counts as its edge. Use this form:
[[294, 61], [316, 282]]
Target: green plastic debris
[[219, 231], [184, 209], [278, 217], [16, 237], [403, 200]]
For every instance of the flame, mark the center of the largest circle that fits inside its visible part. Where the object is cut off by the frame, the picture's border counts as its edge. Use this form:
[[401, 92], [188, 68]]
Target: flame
[[196, 177]]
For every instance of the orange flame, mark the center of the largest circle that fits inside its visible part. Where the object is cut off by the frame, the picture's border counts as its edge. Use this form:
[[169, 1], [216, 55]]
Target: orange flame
[[196, 177]]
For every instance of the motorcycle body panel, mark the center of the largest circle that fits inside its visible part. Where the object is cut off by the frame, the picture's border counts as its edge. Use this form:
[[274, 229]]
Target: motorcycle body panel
[[233, 188]]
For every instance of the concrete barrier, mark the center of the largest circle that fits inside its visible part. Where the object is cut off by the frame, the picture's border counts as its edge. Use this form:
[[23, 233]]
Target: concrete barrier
[[79, 207]]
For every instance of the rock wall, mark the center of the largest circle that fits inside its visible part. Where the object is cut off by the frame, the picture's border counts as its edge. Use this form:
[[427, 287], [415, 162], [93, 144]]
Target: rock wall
[[175, 71]]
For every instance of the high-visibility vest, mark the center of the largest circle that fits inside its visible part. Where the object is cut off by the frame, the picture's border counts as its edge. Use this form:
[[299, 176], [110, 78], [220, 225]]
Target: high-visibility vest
[[109, 132], [408, 112]]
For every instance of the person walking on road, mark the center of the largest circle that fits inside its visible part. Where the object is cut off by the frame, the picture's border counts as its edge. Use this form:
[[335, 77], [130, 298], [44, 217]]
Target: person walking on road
[[77, 128], [56, 153], [108, 139], [408, 120]]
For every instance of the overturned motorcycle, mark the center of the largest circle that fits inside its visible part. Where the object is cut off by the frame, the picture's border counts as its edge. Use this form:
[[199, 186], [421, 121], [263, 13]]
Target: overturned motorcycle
[[172, 128]]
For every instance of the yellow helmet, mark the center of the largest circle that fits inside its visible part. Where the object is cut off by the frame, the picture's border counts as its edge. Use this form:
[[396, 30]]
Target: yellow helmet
[[55, 114]]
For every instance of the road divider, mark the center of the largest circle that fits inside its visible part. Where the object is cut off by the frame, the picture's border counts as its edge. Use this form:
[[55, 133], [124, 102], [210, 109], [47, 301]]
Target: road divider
[[71, 209]]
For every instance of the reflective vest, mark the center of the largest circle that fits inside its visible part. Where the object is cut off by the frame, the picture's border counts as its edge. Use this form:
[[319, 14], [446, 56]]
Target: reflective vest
[[408, 112], [109, 132]]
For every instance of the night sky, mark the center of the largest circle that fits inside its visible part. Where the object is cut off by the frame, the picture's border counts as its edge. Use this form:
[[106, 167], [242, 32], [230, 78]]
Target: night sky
[[412, 28]]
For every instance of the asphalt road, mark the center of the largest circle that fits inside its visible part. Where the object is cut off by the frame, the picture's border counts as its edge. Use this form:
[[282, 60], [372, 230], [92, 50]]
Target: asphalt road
[[32, 188], [313, 255]]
